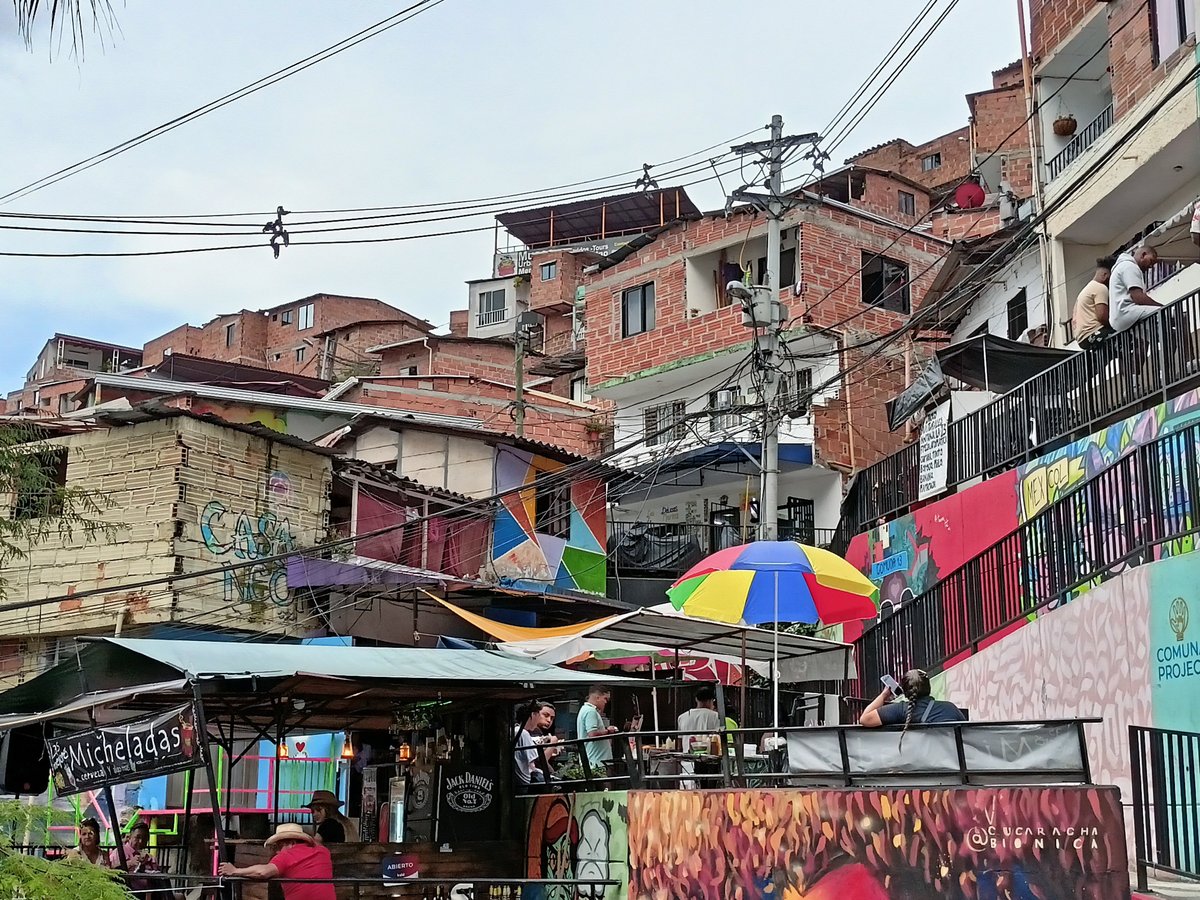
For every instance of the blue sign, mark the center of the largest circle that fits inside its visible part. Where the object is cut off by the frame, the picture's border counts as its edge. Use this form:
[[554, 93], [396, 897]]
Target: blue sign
[[897, 562]]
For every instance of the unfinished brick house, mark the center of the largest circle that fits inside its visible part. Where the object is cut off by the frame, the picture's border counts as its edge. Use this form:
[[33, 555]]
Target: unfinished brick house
[[322, 335], [668, 348]]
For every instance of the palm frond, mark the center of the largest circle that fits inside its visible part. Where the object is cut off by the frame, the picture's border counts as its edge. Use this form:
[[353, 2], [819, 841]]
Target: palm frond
[[64, 17]]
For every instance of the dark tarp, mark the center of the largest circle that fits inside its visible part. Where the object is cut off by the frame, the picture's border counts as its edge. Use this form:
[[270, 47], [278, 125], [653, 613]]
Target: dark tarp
[[641, 550], [985, 361]]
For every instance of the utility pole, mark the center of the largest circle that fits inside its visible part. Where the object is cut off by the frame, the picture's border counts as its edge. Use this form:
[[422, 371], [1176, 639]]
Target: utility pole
[[519, 384], [761, 309], [527, 324]]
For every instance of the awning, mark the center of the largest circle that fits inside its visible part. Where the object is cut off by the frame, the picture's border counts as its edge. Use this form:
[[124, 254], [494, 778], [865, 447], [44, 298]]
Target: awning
[[568, 223], [341, 687], [985, 361], [661, 628], [502, 632], [303, 571], [1173, 238]]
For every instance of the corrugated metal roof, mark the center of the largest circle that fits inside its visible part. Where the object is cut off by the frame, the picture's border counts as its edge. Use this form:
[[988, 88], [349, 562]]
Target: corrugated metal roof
[[280, 401]]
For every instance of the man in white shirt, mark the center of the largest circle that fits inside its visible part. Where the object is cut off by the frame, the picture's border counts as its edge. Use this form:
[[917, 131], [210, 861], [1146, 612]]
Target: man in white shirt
[[700, 721], [1128, 301], [1195, 229], [527, 769]]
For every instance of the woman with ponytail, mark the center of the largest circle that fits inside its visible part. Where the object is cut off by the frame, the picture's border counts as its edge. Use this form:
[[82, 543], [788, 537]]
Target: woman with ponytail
[[919, 707]]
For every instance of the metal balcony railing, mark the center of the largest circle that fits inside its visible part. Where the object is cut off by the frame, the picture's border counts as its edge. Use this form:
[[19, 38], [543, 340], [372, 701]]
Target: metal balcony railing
[[1080, 142], [1146, 364], [1141, 502], [491, 317], [1166, 801], [671, 548]]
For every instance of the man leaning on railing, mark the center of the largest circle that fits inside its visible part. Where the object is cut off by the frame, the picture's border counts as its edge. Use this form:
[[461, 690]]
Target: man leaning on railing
[[298, 855], [1127, 289]]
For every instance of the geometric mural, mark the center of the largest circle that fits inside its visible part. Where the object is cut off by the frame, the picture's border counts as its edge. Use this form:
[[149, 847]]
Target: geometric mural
[[526, 558]]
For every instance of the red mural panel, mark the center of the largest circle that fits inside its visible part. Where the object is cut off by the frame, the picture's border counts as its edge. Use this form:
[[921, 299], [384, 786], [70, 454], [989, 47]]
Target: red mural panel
[[912, 553], [1052, 843]]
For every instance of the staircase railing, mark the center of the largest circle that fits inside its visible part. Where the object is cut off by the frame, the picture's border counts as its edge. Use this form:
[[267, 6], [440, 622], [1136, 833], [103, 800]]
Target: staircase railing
[[1108, 523], [1165, 769]]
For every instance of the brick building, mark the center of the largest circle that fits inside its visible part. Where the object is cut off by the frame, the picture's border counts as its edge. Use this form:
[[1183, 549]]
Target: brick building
[[668, 347], [936, 164], [580, 428], [321, 335], [180, 495], [1115, 84], [61, 367]]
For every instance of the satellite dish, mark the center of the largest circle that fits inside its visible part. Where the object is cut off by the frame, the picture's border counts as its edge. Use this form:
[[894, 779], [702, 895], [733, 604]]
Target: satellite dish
[[969, 196]]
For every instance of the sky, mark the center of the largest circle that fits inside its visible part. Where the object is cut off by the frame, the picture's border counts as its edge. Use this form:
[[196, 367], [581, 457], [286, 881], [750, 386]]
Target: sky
[[470, 99]]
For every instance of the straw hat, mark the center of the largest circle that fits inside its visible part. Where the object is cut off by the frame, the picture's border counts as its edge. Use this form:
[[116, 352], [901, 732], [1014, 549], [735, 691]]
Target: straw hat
[[323, 798], [289, 831]]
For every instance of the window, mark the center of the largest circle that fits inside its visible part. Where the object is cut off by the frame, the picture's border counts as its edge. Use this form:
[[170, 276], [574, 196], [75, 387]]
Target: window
[[552, 506], [411, 370], [549, 271], [1018, 316], [885, 283], [931, 162], [637, 310], [492, 307], [305, 319], [37, 398], [721, 405], [285, 317], [300, 353], [795, 393], [1174, 22], [39, 481], [579, 390], [666, 422], [230, 329], [908, 203], [278, 357]]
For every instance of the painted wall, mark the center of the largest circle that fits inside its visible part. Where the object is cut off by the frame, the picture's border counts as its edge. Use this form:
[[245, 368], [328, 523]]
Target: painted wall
[[912, 552], [1044, 843], [579, 836], [1127, 651], [526, 558]]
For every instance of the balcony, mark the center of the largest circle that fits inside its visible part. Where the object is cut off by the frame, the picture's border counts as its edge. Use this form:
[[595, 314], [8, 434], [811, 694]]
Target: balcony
[[1151, 362], [1080, 142], [669, 549], [488, 317]]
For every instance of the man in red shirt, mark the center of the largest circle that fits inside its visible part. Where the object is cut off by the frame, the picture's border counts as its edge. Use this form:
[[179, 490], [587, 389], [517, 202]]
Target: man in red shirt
[[297, 855]]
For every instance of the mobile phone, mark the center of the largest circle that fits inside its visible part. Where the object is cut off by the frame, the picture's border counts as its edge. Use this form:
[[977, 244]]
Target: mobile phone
[[893, 685]]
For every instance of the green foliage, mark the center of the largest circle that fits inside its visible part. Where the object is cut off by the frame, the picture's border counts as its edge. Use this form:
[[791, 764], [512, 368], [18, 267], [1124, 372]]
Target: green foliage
[[34, 878], [32, 473], [63, 17]]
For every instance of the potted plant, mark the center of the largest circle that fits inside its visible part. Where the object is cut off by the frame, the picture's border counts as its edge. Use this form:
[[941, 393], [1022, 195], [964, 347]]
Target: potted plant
[[1065, 125]]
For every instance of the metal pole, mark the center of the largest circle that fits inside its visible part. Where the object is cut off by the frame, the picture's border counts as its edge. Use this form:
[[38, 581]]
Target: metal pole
[[775, 661], [213, 797], [768, 513], [116, 827]]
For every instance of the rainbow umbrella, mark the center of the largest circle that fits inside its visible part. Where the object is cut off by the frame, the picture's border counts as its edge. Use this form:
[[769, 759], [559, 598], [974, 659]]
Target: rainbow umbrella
[[774, 581]]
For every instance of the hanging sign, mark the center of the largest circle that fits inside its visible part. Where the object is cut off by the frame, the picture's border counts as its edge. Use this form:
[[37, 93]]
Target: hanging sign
[[102, 757], [935, 455]]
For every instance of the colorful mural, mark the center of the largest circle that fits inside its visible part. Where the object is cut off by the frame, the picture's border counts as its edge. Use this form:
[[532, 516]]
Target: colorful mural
[[579, 836], [573, 558], [911, 553], [1014, 843]]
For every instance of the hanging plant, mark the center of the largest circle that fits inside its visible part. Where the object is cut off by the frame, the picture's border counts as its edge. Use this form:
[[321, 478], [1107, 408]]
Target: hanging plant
[[1064, 126]]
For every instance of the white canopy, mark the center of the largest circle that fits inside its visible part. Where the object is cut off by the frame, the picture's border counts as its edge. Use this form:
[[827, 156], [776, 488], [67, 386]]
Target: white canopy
[[662, 628]]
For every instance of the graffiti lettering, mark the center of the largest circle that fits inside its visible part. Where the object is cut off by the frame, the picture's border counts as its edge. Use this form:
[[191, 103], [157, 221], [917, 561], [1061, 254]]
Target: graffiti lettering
[[249, 537]]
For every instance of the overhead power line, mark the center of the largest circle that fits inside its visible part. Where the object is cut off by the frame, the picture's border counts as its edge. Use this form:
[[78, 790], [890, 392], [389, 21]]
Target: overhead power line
[[384, 25]]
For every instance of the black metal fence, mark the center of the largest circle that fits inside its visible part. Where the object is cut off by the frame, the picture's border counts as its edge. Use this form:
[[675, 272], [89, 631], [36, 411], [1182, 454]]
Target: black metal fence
[[1166, 801], [671, 548], [1114, 520], [1144, 365]]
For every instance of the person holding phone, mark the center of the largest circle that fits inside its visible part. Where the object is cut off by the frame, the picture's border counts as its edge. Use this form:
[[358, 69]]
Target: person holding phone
[[919, 706]]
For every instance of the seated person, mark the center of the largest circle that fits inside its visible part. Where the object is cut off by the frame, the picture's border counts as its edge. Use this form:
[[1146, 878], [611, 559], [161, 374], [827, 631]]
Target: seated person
[[137, 859], [1090, 318], [529, 771], [699, 722], [919, 707]]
